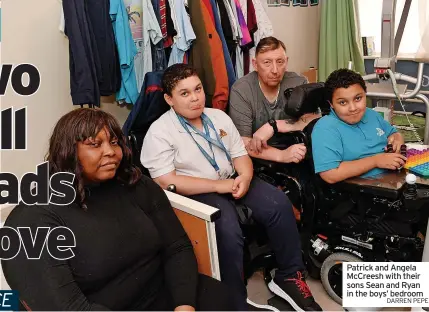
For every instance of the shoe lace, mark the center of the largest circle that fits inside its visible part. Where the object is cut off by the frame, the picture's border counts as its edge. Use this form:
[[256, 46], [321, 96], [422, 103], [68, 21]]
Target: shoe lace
[[301, 284]]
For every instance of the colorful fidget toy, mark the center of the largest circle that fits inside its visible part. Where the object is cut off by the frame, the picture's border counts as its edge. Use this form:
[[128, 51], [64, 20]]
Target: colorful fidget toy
[[418, 161]]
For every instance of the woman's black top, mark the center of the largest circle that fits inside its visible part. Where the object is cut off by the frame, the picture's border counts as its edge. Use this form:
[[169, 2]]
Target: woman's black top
[[130, 246]]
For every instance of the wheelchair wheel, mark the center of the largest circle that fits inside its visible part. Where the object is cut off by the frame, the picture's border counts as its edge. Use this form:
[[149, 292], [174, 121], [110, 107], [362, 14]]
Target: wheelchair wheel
[[331, 274]]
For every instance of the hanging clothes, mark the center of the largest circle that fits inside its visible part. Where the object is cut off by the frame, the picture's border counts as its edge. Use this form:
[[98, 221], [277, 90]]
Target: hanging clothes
[[151, 33], [163, 12], [250, 17], [126, 50], [220, 97], [159, 61], [265, 27], [200, 52], [187, 35], [243, 26], [93, 62], [227, 57]]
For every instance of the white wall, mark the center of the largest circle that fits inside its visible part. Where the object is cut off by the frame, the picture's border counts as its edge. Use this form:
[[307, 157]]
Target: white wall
[[298, 28]]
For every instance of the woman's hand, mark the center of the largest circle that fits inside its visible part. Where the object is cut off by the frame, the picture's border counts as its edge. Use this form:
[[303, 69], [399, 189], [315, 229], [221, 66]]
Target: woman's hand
[[241, 186], [185, 308]]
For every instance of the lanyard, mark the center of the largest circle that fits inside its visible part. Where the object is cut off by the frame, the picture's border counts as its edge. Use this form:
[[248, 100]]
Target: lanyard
[[206, 135]]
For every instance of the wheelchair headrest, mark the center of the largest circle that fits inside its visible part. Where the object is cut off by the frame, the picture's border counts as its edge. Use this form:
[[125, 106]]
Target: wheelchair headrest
[[306, 98]]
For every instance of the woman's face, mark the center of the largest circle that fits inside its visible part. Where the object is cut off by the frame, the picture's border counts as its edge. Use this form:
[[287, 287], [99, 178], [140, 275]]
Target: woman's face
[[188, 98], [99, 157]]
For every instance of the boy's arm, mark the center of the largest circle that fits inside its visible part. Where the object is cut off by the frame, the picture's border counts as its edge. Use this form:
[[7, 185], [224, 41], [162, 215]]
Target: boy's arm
[[158, 157], [393, 136]]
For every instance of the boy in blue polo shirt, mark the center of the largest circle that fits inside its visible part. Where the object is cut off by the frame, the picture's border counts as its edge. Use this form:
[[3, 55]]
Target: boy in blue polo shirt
[[352, 139]]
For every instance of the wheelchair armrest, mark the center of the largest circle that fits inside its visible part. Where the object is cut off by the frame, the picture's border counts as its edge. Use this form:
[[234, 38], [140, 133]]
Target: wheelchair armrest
[[377, 186]]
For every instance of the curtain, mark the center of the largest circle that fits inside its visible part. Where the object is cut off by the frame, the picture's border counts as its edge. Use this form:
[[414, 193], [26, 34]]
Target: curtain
[[423, 50], [340, 41]]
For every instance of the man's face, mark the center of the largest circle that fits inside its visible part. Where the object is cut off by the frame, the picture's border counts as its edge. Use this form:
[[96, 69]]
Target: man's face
[[188, 98], [271, 66], [349, 104]]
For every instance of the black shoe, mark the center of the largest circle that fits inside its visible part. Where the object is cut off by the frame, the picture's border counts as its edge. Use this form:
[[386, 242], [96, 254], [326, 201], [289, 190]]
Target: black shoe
[[296, 292], [259, 307]]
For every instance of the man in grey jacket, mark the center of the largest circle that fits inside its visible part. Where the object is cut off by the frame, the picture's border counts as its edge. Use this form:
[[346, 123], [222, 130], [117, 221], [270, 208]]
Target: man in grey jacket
[[257, 104]]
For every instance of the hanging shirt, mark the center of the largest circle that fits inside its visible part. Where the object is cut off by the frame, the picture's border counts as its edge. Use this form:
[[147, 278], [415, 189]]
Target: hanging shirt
[[174, 18], [243, 26], [126, 49], [265, 27], [94, 65], [184, 42], [228, 62], [151, 33]]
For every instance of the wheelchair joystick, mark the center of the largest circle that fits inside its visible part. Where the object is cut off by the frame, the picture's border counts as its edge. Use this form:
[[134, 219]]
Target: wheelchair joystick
[[410, 191], [403, 150], [389, 148]]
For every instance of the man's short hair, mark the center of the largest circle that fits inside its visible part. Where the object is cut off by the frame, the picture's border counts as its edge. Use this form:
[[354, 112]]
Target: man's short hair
[[342, 78], [174, 74], [268, 44]]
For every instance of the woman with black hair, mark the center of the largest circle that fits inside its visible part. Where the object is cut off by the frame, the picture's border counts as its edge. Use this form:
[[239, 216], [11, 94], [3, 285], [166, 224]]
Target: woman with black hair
[[131, 251]]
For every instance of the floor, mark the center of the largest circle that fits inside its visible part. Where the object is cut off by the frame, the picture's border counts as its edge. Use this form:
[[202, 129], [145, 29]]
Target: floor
[[259, 293]]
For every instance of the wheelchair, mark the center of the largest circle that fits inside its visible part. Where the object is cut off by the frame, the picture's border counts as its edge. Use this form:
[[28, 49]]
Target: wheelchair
[[257, 254], [351, 221]]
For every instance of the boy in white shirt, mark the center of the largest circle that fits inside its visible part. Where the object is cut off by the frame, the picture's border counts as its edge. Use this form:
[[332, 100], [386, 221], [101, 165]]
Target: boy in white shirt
[[200, 151]]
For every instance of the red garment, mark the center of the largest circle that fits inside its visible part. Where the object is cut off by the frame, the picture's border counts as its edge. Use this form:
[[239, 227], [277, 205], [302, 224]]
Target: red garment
[[252, 25], [220, 97], [163, 11], [210, 10]]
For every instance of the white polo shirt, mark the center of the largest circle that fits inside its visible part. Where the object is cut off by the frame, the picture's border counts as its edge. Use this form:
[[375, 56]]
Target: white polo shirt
[[168, 146]]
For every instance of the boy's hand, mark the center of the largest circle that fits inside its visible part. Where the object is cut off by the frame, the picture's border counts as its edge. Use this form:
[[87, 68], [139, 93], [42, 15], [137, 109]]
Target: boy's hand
[[391, 161], [241, 186], [396, 140]]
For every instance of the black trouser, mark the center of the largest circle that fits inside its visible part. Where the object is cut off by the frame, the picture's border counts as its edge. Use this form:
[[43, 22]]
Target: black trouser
[[271, 208], [212, 295]]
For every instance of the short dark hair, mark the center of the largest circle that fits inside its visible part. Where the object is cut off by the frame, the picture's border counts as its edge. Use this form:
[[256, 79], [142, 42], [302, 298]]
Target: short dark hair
[[174, 74], [268, 44], [342, 78], [77, 126]]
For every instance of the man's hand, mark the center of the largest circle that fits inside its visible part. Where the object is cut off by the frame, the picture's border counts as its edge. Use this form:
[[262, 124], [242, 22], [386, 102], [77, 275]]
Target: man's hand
[[396, 140], [260, 138], [294, 153], [241, 186], [224, 186], [391, 161]]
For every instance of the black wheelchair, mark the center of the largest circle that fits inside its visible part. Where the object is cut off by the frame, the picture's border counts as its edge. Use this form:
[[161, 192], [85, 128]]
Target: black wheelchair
[[356, 220]]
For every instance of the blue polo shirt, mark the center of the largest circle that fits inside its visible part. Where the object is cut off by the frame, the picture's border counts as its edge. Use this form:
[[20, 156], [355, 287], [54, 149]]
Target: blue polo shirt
[[334, 141]]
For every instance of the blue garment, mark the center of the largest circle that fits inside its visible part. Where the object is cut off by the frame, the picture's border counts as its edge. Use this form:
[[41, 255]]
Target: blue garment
[[187, 35], [126, 50], [334, 141], [232, 77], [159, 59], [149, 107]]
